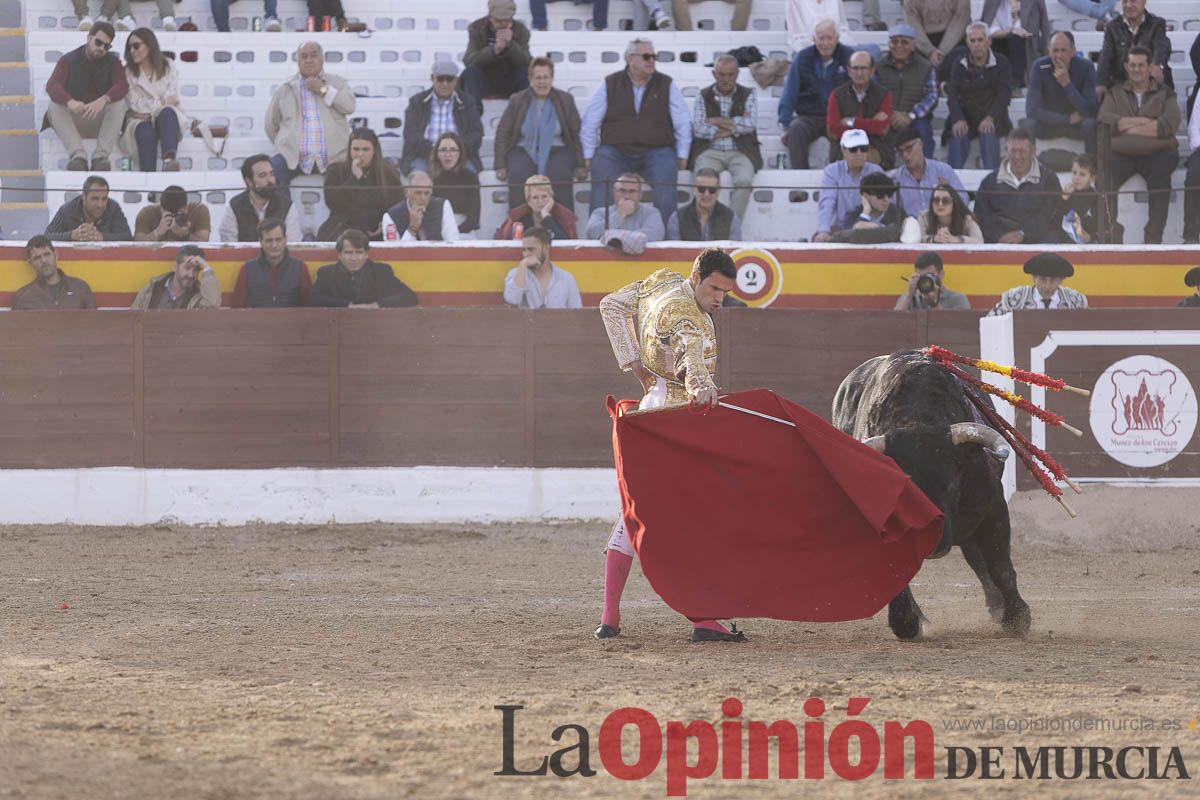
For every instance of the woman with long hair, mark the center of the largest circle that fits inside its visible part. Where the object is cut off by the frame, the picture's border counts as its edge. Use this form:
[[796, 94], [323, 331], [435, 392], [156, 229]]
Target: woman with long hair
[[541, 210], [947, 220], [359, 190], [154, 121], [454, 182]]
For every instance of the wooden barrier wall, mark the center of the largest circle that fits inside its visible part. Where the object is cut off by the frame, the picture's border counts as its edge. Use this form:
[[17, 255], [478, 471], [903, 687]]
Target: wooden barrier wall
[[1113, 335], [465, 387], [348, 388]]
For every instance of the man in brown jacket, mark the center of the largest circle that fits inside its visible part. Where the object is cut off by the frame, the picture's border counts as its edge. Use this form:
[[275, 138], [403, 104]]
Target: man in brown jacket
[[526, 134], [1142, 116], [51, 288]]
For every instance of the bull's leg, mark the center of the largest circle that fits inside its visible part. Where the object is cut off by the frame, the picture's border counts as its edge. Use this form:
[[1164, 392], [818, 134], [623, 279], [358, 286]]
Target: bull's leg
[[904, 615], [994, 536], [991, 593]]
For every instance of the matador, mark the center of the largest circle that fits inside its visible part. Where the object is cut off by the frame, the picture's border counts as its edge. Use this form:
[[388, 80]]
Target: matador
[[661, 330]]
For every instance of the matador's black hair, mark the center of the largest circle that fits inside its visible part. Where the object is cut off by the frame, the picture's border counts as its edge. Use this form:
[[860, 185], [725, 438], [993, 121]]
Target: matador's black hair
[[713, 259]]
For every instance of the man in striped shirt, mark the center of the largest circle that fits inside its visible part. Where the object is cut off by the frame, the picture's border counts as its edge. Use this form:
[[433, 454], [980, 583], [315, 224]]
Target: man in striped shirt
[[727, 139]]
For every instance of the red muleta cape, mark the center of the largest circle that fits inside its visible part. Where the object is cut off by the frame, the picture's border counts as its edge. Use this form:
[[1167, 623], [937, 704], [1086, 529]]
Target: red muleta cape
[[736, 516]]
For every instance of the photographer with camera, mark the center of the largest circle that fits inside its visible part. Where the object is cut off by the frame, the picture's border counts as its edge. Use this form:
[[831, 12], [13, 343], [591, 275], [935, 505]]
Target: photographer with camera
[[174, 219], [926, 288]]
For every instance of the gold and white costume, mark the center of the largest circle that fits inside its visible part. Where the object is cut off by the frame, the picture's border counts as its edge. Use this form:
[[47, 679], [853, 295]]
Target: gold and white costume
[[656, 320]]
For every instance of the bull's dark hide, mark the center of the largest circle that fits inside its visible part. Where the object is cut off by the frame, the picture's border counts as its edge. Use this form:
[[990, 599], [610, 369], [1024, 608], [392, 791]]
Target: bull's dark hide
[[912, 402]]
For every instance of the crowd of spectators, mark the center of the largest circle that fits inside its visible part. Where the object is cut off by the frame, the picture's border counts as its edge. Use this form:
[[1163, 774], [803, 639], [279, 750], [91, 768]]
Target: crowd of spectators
[[638, 127]]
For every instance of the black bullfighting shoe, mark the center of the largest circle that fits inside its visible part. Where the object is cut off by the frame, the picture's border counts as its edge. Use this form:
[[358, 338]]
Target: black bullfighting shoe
[[700, 635], [607, 632]]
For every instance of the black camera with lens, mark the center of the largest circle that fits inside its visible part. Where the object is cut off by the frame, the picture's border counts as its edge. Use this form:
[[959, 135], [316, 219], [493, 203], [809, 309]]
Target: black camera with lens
[[927, 283]]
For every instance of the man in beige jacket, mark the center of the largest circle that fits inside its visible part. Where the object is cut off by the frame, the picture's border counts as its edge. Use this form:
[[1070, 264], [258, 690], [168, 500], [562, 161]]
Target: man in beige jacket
[[306, 119], [190, 284]]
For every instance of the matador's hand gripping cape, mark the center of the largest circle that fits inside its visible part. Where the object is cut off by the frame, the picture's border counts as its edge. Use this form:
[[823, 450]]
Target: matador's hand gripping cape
[[657, 321]]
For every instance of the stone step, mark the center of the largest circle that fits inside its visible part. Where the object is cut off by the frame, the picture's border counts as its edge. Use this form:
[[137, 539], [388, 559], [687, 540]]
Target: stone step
[[12, 44], [21, 221], [17, 111], [11, 15], [22, 186], [14, 77], [18, 148]]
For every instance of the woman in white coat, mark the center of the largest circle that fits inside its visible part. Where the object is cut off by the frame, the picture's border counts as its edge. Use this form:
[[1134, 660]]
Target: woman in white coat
[[154, 120]]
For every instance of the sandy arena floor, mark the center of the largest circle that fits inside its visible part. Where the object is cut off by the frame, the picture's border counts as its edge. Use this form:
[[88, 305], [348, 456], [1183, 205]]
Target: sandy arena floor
[[365, 661]]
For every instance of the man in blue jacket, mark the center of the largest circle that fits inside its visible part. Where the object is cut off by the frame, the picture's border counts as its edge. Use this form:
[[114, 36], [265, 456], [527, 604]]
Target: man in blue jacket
[[1062, 94], [816, 71]]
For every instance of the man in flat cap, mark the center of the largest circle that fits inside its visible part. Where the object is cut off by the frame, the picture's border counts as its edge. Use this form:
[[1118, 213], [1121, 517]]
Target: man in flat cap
[[913, 84], [1192, 279], [1046, 292], [441, 108], [497, 57]]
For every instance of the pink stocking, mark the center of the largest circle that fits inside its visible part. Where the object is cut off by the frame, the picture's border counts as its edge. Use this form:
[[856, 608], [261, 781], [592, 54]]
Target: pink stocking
[[616, 572]]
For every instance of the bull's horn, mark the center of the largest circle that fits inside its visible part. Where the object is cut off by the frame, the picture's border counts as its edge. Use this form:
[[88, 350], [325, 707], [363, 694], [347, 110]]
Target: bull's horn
[[974, 433], [876, 443]]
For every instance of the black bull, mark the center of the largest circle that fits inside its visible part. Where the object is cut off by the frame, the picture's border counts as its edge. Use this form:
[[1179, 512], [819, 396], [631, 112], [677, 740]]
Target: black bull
[[910, 409]]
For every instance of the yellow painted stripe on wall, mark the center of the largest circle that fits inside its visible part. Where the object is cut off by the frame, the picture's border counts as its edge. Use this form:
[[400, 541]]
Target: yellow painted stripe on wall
[[811, 278]]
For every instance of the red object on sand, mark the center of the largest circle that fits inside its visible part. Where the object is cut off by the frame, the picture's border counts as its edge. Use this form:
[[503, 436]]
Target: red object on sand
[[64, 606], [736, 516]]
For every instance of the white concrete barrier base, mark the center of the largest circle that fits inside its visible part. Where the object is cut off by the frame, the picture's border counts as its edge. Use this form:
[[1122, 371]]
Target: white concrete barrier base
[[127, 496]]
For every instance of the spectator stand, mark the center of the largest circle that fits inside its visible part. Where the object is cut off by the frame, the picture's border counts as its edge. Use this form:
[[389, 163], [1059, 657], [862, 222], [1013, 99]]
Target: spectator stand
[[234, 74], [779, 211]]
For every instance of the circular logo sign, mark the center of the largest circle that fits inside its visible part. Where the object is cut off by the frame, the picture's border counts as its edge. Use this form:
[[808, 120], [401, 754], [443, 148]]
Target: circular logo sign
[[1143, 411], [759, 277]]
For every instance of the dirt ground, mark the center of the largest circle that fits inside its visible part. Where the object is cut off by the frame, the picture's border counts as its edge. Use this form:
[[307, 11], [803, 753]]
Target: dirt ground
[[364, 661]]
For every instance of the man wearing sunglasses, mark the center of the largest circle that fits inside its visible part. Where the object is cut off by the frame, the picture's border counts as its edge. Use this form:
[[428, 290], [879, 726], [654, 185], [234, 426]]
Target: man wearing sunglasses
[[637, 121], [87, 99], [877, 219], [705, 219], [840, 182]]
